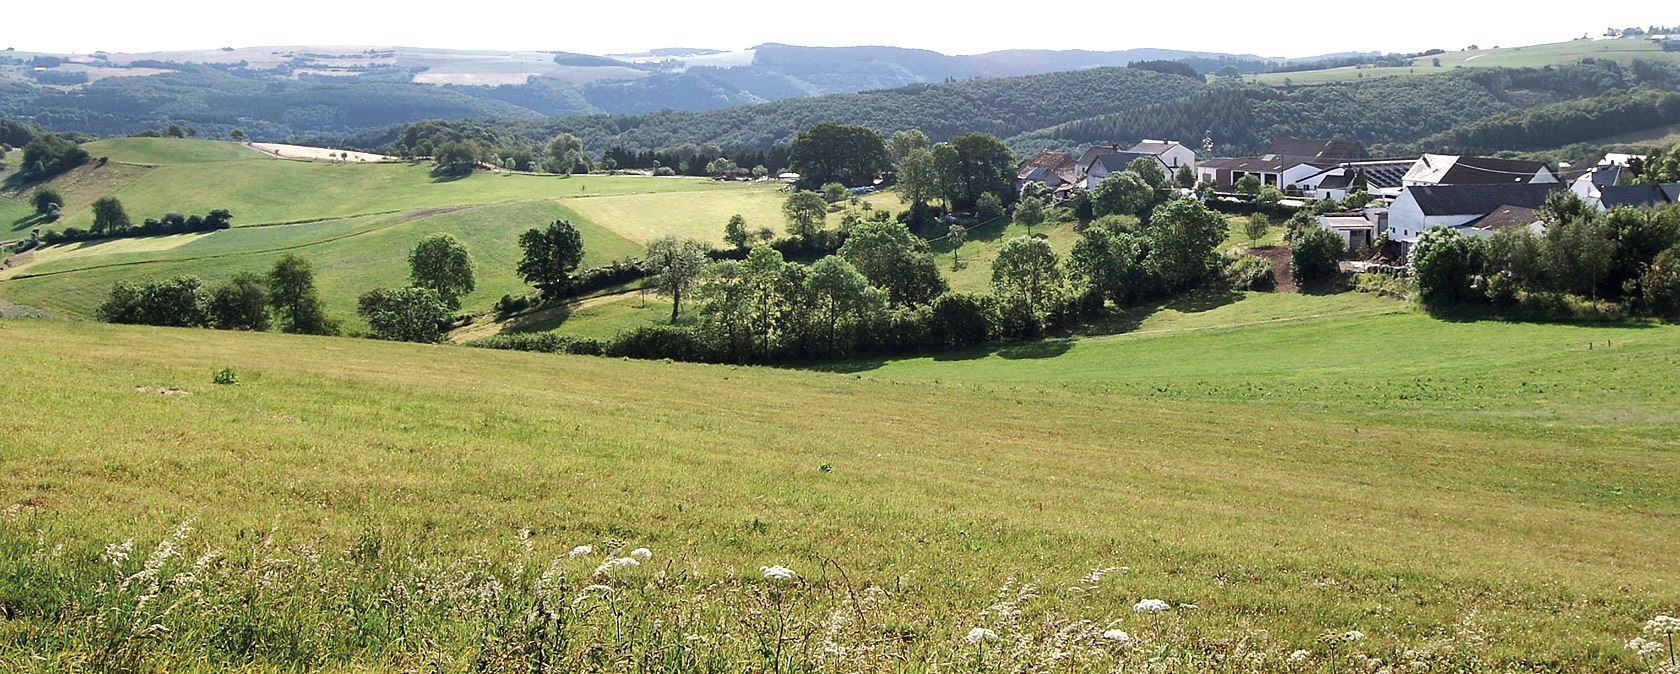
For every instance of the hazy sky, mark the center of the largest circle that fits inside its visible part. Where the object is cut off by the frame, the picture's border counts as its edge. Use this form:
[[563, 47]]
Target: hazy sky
[[949, 27]]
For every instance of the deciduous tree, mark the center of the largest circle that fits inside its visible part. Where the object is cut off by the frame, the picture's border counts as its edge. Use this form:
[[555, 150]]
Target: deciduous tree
[[679, 263], [550, 256], [440, 262]]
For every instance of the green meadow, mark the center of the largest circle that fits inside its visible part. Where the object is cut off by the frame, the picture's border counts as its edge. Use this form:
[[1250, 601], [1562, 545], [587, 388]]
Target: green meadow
[[1622, 50], [1468, 496], [355, 222]]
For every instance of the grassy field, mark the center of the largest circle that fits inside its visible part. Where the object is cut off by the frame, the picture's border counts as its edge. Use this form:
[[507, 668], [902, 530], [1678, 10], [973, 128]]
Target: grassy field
[[355, 222], [1487, 496], [169, 151], [351, 256], [1623, 51]]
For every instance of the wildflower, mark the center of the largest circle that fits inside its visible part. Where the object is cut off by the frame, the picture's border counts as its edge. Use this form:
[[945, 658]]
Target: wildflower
[[1151, 606], [1353, 635], [980, 634], [777, 572], [617, 563], [581, 551], [1117, 636], [642, 554], [1300, 656], [1662, 626], [1644, 647]]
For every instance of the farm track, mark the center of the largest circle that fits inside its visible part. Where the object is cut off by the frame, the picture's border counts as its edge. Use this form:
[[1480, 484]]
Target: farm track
[[480, 330]]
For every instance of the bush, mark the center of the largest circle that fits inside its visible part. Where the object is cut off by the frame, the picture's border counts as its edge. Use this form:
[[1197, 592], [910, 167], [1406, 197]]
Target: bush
[[652, 342], [175, 302], [1447, 267], [224, 376], [405, 314], [959, 319], [1316, 255], [1661, 284], [1247, 272]]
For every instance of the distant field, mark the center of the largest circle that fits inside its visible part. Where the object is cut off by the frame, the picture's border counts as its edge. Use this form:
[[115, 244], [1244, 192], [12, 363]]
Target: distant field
[[1623, 51], [168, 150], [1290, 464], [1658, 137], [351, 256]]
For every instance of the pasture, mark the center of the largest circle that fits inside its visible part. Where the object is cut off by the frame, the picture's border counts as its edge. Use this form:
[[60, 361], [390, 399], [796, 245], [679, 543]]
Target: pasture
[[1466, 495], [356, 222]]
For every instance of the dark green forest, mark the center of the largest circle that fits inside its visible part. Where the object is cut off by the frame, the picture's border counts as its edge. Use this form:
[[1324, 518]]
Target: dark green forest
[[1389, 115]]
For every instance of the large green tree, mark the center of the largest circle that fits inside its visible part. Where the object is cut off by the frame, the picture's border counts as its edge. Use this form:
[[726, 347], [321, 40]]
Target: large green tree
[[1122, 193], [404, 314], [1316, 255], [905, 142], [109, 216], [1183, 236], [806, 212], [972, 165], [1027, 270], [240, 304], [834, 152], [679, 263], [841, 296], [550, 256], [918, 178], [440, 262], [292, 295], [1109, 265], [894, 260]]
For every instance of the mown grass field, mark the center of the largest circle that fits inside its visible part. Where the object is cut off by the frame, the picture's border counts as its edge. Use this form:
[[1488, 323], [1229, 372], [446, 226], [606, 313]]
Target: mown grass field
[[1290, 464]]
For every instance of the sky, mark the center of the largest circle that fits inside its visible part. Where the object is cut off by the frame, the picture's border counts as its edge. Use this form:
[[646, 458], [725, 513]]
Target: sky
[[947, 27]]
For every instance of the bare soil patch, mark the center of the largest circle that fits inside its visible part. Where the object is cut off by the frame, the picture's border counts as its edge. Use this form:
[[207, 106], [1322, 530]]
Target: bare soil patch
[[1280, 257]]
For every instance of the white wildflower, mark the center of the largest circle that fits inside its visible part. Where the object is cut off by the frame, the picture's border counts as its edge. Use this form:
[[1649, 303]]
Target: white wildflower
[[614, 564], [642, 554], [1117, 636], [1188, 607], [1644, 647], [1151, 606], [581, 551], [777, 572], [1662, 626], [980, 634], [1300, 656], [590, 590], [1353, 635]]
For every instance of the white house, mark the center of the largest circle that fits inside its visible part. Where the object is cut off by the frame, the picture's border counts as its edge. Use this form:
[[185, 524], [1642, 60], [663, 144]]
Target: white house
[[1460, 207], [1286, 162], [1101, 165], [1172, 153], [1382, 179]]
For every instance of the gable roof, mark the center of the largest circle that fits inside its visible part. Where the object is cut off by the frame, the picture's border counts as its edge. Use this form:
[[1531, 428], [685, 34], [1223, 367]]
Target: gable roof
[[1479, 199], [1507, 217], [1317, 150], [1445, 169], [1049, 160], [1118, 161], [1155, 147], [1617, 196], [1381, 174], [1091, 154]]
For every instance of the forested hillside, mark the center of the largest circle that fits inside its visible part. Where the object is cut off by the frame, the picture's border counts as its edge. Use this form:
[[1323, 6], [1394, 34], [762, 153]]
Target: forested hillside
[[999, 106], [1391, 112], [1559, 124]]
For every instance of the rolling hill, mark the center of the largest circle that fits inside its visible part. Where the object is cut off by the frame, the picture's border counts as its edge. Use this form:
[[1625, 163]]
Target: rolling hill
[[356, 222], [1502, 504]]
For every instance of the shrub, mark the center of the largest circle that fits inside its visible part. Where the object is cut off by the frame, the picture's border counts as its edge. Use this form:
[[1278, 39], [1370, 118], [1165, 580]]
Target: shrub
[[1447, 266], [652, 342], [175, 302], [405, 314], [959, 319], [1247, 272], [1316, 255], [224, 376]]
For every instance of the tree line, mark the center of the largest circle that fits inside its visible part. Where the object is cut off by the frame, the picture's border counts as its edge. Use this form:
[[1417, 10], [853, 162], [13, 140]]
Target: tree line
[[1586, 264]]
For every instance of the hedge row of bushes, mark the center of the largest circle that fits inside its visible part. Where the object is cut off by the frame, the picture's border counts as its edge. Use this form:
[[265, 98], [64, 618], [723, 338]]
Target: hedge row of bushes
[[173, 223]]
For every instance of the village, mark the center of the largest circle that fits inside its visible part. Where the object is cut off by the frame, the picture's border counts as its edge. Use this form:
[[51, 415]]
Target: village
[[1402, 197]]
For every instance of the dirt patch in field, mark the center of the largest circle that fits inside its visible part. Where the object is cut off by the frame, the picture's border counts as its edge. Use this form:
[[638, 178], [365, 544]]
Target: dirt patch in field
[[18, 260], [1279, 256], [284, 151], [11, 310], [161, 390]]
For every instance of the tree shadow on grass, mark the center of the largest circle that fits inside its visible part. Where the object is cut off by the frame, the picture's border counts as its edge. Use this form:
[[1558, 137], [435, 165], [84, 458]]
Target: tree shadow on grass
[[1202, 300], [28, 222], [1043, 348]]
